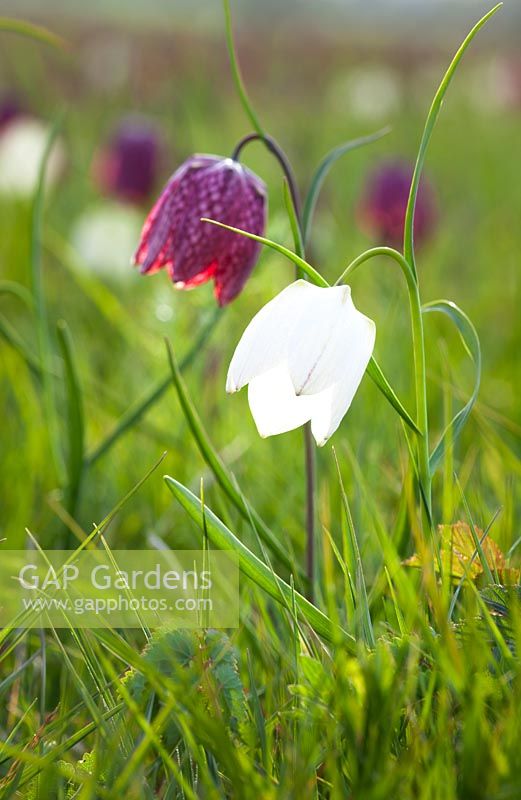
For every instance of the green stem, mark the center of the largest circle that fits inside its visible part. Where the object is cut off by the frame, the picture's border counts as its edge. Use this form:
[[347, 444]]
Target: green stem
[[294, 209], [408, 239], [40, 306], [420, 373], [279, 154], [314, 276], [133, 415], [236, 71]]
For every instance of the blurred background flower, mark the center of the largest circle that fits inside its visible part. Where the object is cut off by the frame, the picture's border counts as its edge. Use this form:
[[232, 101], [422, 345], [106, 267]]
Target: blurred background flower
[[11, 107], [382, 209], [371, 93], [127, 167], [494, 85], [23, 140], [105, 237]]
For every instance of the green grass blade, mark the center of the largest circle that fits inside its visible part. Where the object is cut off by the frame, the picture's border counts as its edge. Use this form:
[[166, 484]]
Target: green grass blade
[[15, 674], [31, 31], [293, 219], [491, 580], [471, 343], [363, 611], [236, 71], [23, 615], [222, 538], [105, 298], [35, 763], [136, 412], [17, 290], [42, 325], [258, 716], [322, 171], [9, 333], [375, 373], [408, 241], [218, 468], [314, 276], [74, 416]]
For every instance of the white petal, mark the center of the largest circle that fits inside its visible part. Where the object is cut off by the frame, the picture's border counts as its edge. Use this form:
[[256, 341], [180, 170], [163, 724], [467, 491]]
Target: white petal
[[263, 344], [303, 355], [316, 345], [274, 405], [357, 350]]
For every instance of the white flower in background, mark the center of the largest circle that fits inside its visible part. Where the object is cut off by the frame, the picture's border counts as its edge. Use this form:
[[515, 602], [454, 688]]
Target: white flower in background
[[303, 357], [105, 238], [22, 145], [371, 93], [494, 86]]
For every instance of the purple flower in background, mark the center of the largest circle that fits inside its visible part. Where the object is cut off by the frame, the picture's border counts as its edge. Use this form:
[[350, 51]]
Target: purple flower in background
[[193, 251], [127, 167], [10, 108], [383, 206]]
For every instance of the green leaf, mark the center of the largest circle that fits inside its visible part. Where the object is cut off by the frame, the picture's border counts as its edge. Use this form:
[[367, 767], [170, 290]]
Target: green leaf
[[219, 469], [408, 241], [471, 343], [31, 31], [293, 219], [375, 373], [222, 538], [373, 369], [17, 290], [96, 532], [362, 604], [236, 71], [132, 416], [322, 172], [13, 338], [310, 271], [258, 716], [42, 323]]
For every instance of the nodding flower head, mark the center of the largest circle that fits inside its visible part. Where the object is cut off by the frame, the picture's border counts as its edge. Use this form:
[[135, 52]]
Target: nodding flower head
[[383, 206], [126, 168], [302, 357], [192, 251]]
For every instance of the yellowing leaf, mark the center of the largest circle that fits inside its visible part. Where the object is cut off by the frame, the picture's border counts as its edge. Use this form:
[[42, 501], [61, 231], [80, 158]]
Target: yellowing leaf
[[459, 556]]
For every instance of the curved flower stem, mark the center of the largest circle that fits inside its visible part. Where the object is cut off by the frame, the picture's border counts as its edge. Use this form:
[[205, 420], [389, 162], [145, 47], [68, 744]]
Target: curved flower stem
[[309, 446], [284, 163], [418, 342]]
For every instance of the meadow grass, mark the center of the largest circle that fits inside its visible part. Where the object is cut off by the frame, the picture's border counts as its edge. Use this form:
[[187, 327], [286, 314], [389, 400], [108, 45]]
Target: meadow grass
[[402, 682]]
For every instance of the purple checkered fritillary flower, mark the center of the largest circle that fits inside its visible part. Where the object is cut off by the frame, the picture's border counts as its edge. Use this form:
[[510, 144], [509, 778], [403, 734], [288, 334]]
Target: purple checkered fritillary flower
[[192, 251]]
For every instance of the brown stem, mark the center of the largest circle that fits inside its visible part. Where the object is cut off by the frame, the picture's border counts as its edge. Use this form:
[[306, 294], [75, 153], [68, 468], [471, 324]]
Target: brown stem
[[309, 447]]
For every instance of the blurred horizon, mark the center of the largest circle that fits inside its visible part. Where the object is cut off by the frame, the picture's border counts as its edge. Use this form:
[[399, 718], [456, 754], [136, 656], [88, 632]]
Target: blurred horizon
[[422, 20]]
